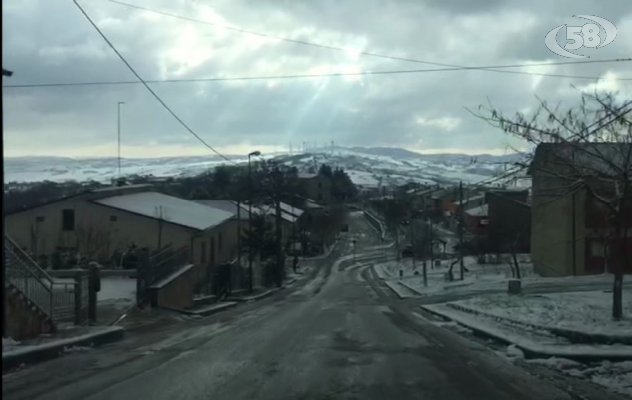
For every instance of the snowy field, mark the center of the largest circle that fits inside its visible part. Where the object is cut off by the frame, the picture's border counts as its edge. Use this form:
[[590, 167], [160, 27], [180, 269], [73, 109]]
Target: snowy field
[[588, 312]]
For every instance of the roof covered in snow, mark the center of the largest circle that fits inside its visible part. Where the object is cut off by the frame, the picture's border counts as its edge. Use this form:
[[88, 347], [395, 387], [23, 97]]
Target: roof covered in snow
[[307, 175], [480, 211], [168, 208], [228, 205], [270, 210], [475, 198], [295, 211]]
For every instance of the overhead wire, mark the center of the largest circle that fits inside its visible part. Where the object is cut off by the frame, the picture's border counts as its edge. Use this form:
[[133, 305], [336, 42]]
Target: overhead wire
[[299, 76], [361, 52], [85, 14]]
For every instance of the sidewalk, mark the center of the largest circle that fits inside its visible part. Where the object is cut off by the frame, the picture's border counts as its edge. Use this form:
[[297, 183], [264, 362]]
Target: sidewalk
[[50, 346], [533, 342]]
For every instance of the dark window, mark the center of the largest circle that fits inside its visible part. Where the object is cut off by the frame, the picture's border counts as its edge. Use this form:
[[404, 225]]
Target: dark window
[[39, 219], [113, 218], [68, 220], [203, 252], [212, 251], [320, 185], [219, 241]]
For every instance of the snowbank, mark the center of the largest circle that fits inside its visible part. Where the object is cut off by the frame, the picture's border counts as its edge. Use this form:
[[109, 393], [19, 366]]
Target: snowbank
[[586, 312]]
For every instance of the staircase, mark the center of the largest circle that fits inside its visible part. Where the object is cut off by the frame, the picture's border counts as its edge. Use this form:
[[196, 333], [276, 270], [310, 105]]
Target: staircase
[[36, 301]]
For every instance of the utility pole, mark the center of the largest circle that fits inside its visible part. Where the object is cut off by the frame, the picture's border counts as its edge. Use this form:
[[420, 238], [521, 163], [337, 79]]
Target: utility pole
[[6, 73], [256, 154], [431, 244], [118, 106], [461, 229]]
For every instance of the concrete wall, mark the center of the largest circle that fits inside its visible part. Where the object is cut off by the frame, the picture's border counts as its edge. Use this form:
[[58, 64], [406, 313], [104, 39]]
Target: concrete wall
[[178, 293], [23, 322], [551, 233]]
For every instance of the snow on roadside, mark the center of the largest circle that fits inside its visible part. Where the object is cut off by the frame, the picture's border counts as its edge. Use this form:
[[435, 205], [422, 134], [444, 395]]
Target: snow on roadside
[[118, 291], [617, 377], [9, 344], [587, 312]]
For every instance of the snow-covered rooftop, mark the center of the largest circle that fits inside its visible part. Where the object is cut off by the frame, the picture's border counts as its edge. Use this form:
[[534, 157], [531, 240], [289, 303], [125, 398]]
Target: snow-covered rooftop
[[307, 175], [475, 198], [480, 211], [295, 211], [229, 206], [171, 209]]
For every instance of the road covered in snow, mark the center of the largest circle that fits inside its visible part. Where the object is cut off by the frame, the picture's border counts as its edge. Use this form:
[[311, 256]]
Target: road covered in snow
[[341, 334]]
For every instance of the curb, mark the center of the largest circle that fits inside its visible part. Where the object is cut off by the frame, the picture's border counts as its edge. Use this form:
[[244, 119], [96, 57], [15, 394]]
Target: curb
[[262, 295], [532, 352], [205, 312], [388, 283], [49, 351], [572, 335]]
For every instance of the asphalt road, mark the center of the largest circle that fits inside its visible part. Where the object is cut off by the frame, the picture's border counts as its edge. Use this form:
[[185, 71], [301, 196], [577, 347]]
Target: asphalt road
[[338, 335]]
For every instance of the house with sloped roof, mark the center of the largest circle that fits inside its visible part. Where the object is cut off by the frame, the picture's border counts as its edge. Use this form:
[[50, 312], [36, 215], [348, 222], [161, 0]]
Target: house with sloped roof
[[98, 223]]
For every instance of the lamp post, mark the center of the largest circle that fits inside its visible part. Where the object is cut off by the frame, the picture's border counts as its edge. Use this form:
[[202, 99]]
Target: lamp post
[[118, 107], [253, 154], [6, 73]]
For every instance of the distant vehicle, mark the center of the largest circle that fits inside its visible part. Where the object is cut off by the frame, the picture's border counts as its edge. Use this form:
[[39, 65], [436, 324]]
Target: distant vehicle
[[407, 252]]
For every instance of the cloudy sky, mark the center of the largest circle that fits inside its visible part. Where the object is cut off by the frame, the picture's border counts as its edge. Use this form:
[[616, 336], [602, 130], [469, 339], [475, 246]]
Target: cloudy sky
[[49, 41]]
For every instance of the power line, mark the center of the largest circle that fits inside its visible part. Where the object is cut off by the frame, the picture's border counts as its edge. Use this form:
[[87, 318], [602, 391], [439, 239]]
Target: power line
[[364, 53], [594, 127], [147, 86], [301, 76]]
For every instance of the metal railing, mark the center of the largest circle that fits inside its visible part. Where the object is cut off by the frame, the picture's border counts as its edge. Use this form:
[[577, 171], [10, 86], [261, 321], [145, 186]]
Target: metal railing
[[56, 298], [166, 261], [158, 265]]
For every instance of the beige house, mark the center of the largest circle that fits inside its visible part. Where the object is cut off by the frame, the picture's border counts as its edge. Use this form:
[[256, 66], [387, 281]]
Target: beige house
[[98, 222]]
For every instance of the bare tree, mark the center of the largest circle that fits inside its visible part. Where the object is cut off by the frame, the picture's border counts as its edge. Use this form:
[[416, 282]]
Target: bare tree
[[277, 181], [94, 241], [588, 150]]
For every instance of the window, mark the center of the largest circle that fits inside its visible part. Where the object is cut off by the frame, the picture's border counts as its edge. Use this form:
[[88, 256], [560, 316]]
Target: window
[[219, 242], [68, 220], [203, 252], [113, 218], [212, 251], [320, 185], [39, 219]]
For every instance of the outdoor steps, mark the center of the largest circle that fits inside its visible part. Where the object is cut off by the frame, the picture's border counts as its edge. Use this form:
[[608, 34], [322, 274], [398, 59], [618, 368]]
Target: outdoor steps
[[24, 318]]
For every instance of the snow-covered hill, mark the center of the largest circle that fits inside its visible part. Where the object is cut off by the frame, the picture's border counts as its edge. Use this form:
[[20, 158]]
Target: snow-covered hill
[[364, 165]]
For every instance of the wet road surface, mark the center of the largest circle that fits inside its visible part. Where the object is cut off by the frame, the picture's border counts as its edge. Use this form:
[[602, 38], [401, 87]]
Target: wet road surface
[[339, 335]]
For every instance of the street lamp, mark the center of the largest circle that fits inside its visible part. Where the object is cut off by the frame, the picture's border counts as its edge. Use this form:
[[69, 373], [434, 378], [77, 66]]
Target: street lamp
[[118, 106], [253, 154], [6, 73]]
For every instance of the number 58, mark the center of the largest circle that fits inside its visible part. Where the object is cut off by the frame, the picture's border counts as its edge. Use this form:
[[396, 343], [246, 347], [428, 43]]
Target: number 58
[[582, 36]]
